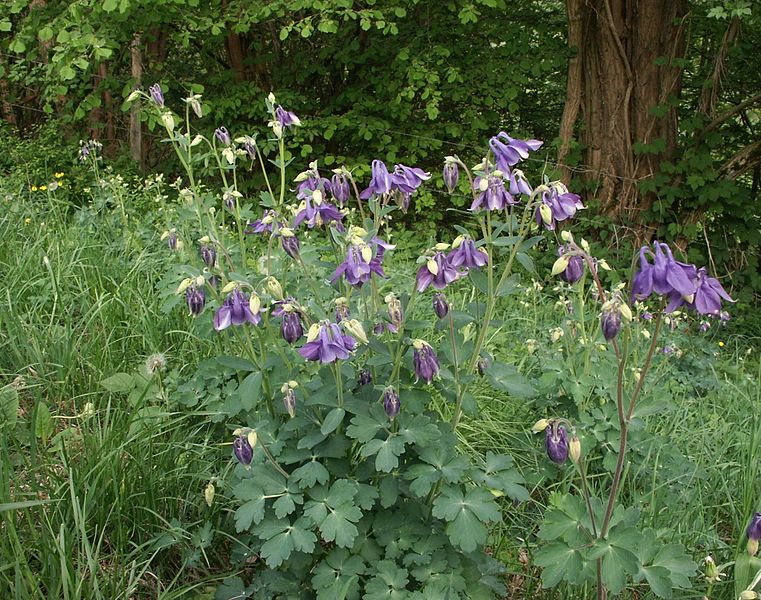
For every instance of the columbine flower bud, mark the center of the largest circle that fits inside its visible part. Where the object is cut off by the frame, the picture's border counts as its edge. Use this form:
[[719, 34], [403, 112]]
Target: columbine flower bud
[[364, 377], [440, 305], [208, 494], [574, 449], [342, 309], [391, 402], [222, 135], [243, 449], [482, 365], [610, 322], [156, 94], [291, 327], [424, 361], [209, 256], [196, 299], [540, 426], [274, 288], [289, 398], [289, 242], [395, 314], [339, 187], [556, 442], [451, 174], [748, 595], [168, 121], [355, 329], [754, 534]]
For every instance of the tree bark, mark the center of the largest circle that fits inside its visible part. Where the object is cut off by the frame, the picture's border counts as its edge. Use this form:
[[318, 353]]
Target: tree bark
[[573, 84], [626, 75]]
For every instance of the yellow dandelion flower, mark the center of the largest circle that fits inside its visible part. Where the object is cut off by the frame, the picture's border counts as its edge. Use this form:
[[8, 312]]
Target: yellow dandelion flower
[[34, 188], [43, 187], [721, 344]]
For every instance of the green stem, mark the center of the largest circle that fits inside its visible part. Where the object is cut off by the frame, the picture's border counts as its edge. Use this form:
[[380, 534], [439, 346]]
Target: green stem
[[400, 335], [339, 384], [275, 464]]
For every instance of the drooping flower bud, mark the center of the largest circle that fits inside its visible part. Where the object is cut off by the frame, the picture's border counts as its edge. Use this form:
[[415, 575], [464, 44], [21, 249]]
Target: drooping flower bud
[[196, 299], [424, 361], [391, 402], [556, 442], [208, 494], [156, 94], [339, 187], [291, 327], [451, 174], [482, 365], [440, 305], [290, 243], [342, 309], [355, 329], [364, 377], [274, 288], [395, 315], [540, 425], [243, 450], [171, 240], [574, 448], [289, 398], [610, 321], [209, 256], [222, 135]]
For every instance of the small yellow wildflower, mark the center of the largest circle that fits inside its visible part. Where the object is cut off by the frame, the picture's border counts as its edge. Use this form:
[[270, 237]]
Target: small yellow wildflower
[[34, 188], [43, 188], [721, 344], [27, 221], [58, 175]]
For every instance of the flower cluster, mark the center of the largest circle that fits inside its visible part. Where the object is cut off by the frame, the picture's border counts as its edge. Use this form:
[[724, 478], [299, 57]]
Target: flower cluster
[[681, 283], [442, 269], [404, 181]]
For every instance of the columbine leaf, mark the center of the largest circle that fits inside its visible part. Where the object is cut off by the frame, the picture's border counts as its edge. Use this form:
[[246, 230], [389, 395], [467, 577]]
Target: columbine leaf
[[249, 390], [332, 420], [251, 511], [337, 576], [364, 428], [309, 474], [388, 580], [558, 561], [500, 474], [466, 515], [339, 526]]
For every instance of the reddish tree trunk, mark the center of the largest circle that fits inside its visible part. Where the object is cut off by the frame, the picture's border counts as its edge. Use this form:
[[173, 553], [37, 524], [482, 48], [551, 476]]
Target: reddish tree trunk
[[626, 70], [135, 127]]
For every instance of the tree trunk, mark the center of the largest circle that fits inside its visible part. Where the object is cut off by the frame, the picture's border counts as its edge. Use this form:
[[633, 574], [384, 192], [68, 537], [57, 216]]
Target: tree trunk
[[236, 51], [135, 128], [626, 74], [9, 114]]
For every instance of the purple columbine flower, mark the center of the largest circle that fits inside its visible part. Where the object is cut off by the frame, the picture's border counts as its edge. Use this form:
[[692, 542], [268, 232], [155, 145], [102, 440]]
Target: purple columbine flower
[[665, 276], [263, 225], [196, 299], [724, 317], [342, 311], [424, 360], [510, 151], [575, 268], [436, 271], [339, 188], [286, 118], [249, 145], [440, 305], [451, 175], [364, 377], [518, 183], [156, 94], [290, 244], [311, 184], [467, 255], [209, 256], [704, 326], [408, 179], [708, 294], [493, 194], [236, 310], [317, 213], [358, 266], [380, 182], [391, 402], [753, 530], [558, 204], [243, 451], [171, 241], [222, 135], [327, 343], [556, 442]]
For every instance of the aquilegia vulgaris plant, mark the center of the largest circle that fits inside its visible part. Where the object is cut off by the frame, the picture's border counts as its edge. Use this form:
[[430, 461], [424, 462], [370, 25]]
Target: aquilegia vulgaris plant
[[343, 409]]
